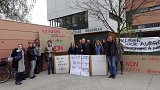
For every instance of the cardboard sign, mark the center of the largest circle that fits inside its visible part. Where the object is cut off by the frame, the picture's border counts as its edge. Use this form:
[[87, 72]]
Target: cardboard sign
[[99, 65], [61, 39], [142, 63], [62, 64], [79, 65]]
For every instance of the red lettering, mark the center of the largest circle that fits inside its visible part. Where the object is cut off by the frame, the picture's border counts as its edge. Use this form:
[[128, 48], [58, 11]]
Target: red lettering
[[132, 64], [51, 31], [133, 69], [59, 48], [151, 71]]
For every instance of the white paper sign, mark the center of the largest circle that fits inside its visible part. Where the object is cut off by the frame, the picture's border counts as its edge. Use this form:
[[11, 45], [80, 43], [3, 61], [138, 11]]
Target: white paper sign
[[85, 65], [75, 64], [99, 64], [79, 65], [62, 64], [147, 44]]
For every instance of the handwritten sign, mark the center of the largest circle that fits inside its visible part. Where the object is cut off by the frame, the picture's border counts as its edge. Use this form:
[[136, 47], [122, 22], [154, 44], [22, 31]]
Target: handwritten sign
[[79, 65], [99, 65], [61, 39], [75, 62], [85, 65], [62, 64], [147, 44]]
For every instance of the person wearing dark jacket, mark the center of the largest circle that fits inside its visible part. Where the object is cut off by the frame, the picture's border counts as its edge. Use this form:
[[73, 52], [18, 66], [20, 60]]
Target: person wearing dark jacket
[[88, 47], [72, 49], [82, 48], [32, 59], [111, 50], [104, 45], [119, 55], [18, 63], [37, 51]]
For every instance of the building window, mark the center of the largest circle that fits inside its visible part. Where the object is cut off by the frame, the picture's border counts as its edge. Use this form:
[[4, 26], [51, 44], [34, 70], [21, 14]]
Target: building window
[[114, 17], [142, 26], [74, 21], [143, 10]]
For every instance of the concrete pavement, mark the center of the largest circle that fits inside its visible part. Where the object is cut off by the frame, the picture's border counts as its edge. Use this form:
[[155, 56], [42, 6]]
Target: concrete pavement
[[127, 81]]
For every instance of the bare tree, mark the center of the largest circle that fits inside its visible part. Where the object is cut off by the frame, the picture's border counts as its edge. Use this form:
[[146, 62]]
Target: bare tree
[[19, 10], [123, 11]]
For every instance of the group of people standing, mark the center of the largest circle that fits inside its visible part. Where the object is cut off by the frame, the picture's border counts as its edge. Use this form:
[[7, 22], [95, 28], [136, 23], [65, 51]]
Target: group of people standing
[[113, 49], [86, 48], [34, 57]]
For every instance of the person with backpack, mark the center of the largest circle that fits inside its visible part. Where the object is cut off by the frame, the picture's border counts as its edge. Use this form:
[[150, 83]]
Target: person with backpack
[[18, 63]]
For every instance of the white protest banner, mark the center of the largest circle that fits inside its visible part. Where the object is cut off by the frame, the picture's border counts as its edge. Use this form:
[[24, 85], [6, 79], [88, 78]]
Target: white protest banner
[[75, 64], [99, 64], [85, 65], [62, 64], [147, 44]]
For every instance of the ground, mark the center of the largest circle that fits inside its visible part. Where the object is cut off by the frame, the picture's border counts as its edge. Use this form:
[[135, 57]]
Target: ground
[[127, 81]]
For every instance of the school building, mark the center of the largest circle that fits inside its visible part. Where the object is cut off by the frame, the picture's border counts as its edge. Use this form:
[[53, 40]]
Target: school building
[[147, 21], [61, 13]]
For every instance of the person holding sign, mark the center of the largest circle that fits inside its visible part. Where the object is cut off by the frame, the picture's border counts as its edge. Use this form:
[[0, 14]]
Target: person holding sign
[[50, 52], [111, 50]]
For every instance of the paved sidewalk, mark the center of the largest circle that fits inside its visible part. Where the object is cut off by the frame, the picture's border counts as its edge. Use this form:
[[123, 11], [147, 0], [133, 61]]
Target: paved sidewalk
[[128, 81]]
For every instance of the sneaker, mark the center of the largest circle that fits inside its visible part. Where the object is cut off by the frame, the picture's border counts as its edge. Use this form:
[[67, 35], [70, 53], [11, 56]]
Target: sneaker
[[32, 77], [110, 76], [113, 77], [18, 83]]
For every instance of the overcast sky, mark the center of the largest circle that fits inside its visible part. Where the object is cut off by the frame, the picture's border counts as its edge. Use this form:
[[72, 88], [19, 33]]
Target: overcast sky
[[39, 13]]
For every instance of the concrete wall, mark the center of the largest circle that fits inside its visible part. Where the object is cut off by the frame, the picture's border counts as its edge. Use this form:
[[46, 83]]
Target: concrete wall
[[13, 33]]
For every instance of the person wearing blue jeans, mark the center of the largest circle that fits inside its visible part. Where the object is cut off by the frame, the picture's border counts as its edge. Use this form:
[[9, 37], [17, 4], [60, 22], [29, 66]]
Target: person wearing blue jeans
[[50, 52], [111, 50], [112, 66], [50, 65]]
